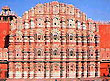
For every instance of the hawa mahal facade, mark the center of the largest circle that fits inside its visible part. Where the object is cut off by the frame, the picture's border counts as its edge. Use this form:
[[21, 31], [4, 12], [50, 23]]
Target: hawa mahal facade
[[51, 40]]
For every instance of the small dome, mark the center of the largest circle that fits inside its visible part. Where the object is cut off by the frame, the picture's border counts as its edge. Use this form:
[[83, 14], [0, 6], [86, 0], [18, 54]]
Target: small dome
[[5, 7]]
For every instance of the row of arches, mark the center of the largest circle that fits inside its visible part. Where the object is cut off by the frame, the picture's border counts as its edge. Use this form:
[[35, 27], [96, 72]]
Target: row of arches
[[52, 8], [54, 69], [54, 53], [56, 22], [55, 37]]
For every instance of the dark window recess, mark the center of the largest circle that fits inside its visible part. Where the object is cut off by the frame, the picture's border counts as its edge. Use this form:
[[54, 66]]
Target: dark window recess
[[17, 54], [71, 53], [11, 18], [5, 18], [55, 79], [39, 24], [55, 37], [39, 53], [54, 23], [76, 42], [6, 74], [39, 37], [71, 69], [6, 41], [17, 38], [71, 37], [55, 52], [91, 54], [70, 24]]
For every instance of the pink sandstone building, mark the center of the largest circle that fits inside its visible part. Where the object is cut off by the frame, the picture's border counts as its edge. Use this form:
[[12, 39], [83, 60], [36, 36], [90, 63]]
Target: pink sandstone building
[[53, 40]]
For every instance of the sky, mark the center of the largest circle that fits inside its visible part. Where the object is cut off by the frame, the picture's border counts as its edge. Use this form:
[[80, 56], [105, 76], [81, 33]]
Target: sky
[[98, 10]]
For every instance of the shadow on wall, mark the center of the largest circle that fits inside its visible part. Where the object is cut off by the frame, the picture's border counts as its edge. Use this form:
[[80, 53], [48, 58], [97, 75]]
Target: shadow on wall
[[6, 41]]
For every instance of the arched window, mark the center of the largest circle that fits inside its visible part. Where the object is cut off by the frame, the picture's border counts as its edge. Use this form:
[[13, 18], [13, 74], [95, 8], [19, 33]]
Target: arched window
[[39, 67], [71, 53], [35, 51], [71, 22], [39, 53], [55, 52], [17, 54], [47, 19], [55, 37], [56, 22], [40, 22], [40, 9], [72, 67], [78, 25], [55, 9], [39, 37], [71, 37], [35, 36], [96, 51]]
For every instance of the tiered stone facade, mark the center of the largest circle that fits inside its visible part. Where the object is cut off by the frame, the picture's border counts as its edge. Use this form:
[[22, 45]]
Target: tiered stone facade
[[54, 40]]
